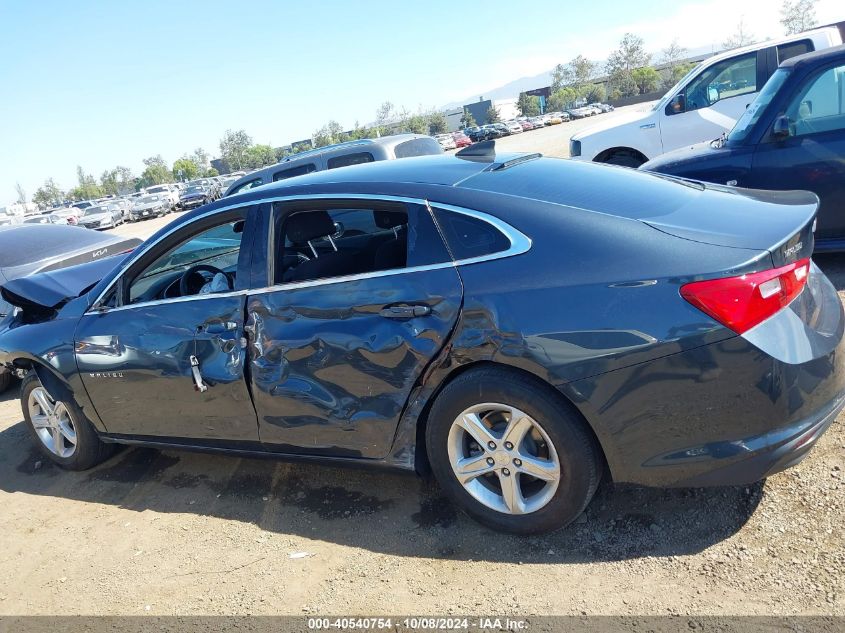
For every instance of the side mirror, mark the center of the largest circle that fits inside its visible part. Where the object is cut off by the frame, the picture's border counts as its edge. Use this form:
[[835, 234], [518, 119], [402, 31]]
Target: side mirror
[[677, 105], [780, 130]]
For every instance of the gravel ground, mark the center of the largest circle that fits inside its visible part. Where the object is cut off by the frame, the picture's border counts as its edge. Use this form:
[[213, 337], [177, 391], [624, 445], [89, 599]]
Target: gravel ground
[[152, 532]]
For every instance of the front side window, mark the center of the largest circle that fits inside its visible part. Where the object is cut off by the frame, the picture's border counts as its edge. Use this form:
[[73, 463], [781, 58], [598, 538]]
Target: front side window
[[349, 159], [301, 170], [337, 240], [729, 78], [820, 105], [204, 263]]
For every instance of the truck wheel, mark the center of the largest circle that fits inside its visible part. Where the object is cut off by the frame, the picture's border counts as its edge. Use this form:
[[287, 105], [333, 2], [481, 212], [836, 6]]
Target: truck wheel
[[59, 428], [511, 453]]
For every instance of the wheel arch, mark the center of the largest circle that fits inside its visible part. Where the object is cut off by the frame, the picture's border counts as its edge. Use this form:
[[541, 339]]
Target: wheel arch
[[420, 454], [604, 155]]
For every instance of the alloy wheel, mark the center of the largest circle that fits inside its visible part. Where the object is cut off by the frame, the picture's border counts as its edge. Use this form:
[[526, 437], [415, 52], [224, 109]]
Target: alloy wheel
[[503, 458], [52, 422]]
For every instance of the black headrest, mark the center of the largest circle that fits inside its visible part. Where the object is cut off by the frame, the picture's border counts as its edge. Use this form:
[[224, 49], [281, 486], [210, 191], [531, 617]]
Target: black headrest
[[309, 225], [389, 219]]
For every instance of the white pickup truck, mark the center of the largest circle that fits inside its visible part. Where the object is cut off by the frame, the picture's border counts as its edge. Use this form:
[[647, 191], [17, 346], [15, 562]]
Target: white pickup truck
[[702, 105]]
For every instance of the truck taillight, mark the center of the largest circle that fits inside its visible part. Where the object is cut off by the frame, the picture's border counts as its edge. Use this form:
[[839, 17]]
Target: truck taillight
[[740, 303]]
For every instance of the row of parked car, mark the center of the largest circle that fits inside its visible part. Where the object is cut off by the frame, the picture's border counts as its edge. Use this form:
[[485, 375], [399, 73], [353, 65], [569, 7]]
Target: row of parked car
[[518, 125], [152, 202]]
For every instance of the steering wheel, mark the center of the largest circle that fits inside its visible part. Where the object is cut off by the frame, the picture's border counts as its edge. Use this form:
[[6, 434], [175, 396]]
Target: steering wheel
[[186, 287]]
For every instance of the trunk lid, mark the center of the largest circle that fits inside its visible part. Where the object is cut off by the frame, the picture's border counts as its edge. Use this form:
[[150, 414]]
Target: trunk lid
[[780, 222]]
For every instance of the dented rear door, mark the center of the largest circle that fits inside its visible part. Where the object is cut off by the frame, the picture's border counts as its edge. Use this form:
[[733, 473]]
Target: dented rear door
[[333, 361]]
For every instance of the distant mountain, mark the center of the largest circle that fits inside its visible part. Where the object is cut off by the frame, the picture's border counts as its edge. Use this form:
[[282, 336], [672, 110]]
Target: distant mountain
[[510, 90]]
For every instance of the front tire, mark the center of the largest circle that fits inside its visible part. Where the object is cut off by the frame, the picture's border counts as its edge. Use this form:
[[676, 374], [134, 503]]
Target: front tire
[[5, 379], [511, 452], [59, 428]]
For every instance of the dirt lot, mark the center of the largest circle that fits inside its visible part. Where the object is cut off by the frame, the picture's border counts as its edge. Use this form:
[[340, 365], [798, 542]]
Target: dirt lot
[[153, 532]]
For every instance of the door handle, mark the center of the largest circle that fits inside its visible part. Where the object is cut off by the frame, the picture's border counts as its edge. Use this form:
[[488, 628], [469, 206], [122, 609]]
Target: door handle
[[405, 311], [218, 328]]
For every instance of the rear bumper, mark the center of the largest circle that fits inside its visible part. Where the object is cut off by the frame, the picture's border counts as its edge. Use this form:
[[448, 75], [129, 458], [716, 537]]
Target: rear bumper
[[728, 413], [752, 459]]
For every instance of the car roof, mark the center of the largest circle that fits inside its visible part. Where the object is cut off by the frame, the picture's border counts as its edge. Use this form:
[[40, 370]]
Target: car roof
[[819, 56]]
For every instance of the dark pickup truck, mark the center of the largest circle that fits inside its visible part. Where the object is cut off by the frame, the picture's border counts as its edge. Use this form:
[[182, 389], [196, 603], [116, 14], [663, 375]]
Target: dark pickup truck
[[792, 136]]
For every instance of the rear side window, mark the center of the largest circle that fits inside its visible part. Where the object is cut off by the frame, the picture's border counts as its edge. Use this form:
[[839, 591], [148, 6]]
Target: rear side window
[[323, 241], [294, 171], [247, 185], [350, 159], [417, 147], [785, 51], [468, 236]]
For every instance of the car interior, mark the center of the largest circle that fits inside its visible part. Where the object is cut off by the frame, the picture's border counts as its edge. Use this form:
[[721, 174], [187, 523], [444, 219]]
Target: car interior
[[324, 243], [205, 263], [821, 106]]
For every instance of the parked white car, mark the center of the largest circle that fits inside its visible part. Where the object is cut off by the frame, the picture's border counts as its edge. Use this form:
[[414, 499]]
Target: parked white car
[[514, 127], [446, 141], [169, 192], [700, 107]]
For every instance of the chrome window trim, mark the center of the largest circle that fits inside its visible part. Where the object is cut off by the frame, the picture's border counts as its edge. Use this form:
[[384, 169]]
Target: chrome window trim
[[519, 244]]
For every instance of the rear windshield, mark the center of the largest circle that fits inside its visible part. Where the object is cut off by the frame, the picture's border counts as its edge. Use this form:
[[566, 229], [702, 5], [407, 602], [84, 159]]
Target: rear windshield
[[52, 239], [633, 194], [417, 147]]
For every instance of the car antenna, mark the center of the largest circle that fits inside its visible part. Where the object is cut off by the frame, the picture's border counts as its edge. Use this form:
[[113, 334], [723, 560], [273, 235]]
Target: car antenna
[[483, 151]]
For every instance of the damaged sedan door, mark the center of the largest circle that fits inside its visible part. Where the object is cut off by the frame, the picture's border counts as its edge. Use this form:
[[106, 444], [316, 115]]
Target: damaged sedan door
[[163, 351], [365, 297]]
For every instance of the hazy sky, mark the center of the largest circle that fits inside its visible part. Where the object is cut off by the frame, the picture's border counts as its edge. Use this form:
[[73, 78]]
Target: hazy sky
[[106, 84]]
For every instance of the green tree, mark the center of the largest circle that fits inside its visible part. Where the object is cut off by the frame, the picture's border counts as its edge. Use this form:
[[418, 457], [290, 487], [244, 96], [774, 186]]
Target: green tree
[[492, 115], [87, 187], [156, 172], [595, 93], [673, 59], [620, 65], [212, 172], [200, 157], [798, 16], [575, 74], [467, 119], [186, 168], [528, 105], [561, 99], [48, 195], [417, 123], [108, 182], [646, 78], [329, 134], [359, 132], [437, 123], [233, 146], [258, 156]]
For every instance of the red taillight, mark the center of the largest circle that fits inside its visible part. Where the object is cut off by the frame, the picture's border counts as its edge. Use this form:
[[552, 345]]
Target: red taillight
[[742, 302]]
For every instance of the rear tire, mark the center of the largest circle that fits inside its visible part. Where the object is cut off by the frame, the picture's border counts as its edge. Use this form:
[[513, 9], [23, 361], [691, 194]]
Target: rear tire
[[59, 428], [549, 440]]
